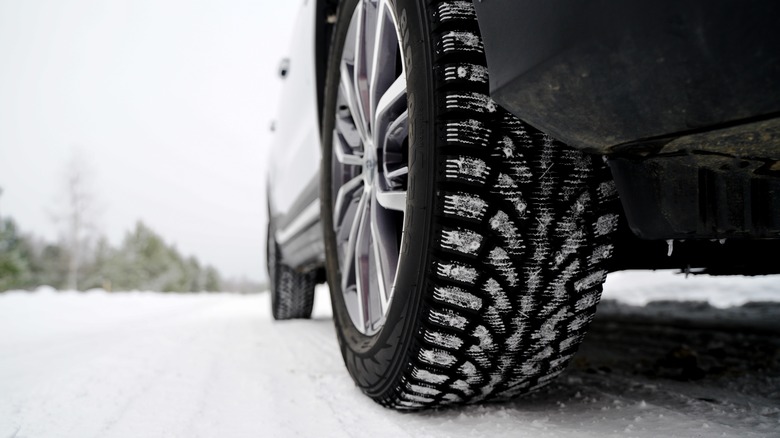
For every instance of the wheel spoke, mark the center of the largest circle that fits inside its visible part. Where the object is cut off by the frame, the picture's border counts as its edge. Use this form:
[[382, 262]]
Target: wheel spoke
[[344, 152], [346, 128], [387, 109], [384, 54], [398, 130], [392, 200], [360, 74], [385, 253], [349, 274], [394, 153], [348, 90], [399, 173], [361, 260], [344, 198]]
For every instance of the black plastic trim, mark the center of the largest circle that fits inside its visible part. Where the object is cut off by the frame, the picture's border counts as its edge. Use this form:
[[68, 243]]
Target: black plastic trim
[[690, 195], [323, 32], [598, 73], [696, 256]]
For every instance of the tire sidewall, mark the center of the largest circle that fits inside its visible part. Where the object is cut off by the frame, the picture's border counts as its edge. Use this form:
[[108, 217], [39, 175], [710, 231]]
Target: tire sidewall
[[383, 355]]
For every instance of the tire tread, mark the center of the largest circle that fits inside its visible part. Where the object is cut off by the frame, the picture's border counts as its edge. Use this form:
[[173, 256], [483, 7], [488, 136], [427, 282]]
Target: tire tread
[[522, 228], [523, 235], [293, 293]]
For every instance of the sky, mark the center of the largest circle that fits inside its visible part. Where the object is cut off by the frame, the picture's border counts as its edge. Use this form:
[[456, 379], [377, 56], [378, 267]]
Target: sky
[[166, 103]]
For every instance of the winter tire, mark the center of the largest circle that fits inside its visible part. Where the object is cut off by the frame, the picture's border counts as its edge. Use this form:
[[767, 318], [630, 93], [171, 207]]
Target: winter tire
[[292, 292], [465, 250]]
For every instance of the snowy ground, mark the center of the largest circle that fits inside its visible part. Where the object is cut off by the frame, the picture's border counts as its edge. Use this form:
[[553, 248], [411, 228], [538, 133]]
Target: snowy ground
[[147, 365]]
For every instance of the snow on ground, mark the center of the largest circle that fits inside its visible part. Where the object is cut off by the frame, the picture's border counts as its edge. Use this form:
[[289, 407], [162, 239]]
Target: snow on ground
[[641, 287], [202, 365]]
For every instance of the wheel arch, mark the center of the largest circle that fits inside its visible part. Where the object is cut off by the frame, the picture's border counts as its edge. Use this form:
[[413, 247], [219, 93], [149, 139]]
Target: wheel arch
[[325, 18]]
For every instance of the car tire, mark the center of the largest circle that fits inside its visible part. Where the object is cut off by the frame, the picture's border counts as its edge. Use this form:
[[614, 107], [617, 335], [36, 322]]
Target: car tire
[[292, 292], [503, 240]]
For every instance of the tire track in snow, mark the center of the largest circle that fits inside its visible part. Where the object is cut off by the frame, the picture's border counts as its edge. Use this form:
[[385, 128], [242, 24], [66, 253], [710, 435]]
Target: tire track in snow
[[218, 366]]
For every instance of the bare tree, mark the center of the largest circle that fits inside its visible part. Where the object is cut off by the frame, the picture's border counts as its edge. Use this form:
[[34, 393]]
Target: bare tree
[[78, 216]]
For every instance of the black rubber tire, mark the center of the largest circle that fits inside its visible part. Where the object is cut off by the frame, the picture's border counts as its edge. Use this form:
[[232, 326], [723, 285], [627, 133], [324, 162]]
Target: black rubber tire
[[506, 232], [292, 292]]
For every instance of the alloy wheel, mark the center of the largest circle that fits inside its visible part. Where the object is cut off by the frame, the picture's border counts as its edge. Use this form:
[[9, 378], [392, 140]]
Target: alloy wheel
[[370, 163]]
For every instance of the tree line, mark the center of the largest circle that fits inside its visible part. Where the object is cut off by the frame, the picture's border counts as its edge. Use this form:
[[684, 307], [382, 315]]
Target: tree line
[[143, 261]]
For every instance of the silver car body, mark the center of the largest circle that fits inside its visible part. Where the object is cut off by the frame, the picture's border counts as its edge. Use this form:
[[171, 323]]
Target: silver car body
[[294, 157]]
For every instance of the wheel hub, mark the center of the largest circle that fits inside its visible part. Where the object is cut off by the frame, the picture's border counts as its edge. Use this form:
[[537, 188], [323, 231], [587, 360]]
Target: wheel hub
[[369, 168]]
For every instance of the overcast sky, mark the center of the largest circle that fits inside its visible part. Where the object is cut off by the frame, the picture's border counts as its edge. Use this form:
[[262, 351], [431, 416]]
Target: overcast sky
[[168, 101]]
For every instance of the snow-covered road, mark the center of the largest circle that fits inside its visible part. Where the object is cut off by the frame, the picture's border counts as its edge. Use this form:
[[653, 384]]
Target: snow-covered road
[[147, 365]]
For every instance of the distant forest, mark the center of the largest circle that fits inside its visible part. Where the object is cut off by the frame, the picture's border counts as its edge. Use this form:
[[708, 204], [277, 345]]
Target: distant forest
[[84, 259], [143, 261]]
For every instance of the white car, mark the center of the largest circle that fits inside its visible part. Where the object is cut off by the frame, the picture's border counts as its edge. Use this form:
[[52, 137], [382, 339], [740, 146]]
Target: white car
[[465, 249]]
